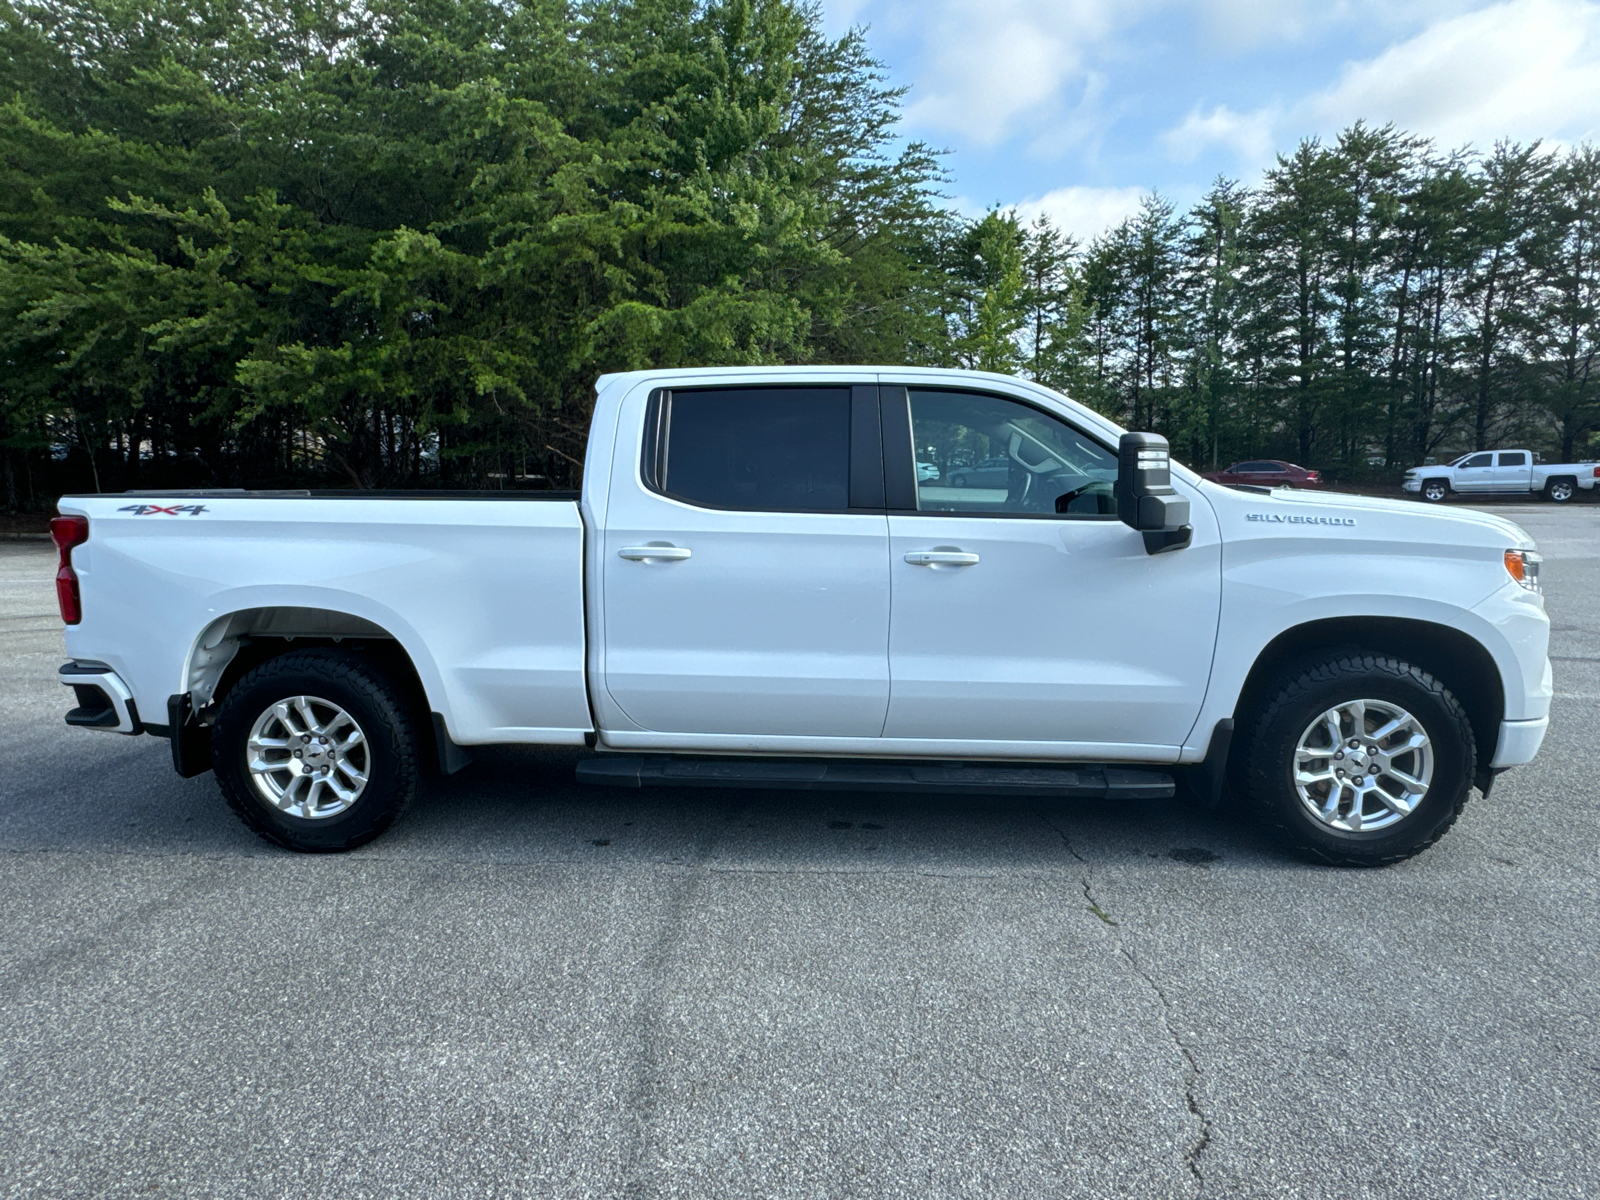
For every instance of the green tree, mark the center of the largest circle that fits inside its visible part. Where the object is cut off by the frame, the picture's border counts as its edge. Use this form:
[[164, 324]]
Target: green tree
[[1566, 253]]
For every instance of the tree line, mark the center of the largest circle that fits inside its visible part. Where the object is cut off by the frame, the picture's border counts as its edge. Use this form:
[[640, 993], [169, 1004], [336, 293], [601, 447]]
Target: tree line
[[1370, 304], [391, 243]]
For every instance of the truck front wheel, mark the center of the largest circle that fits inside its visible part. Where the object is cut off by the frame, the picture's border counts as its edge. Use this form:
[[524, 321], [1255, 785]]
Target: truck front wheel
[[1435, 490], [315, 751], [1559, 491], [1359, 759]]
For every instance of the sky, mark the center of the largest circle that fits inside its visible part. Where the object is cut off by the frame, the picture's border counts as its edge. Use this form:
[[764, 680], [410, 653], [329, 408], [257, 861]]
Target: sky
[[1078, 108]]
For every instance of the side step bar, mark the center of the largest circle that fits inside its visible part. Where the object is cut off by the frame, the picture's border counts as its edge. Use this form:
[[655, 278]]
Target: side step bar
[[848, 775]]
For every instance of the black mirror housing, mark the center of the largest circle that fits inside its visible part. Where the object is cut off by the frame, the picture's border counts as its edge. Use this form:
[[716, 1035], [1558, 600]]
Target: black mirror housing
[[1146, 500]]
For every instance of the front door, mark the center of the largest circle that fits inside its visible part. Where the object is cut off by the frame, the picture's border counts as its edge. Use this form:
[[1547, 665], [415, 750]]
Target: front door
[[1475, 474], [1014, 622], [745, 564]]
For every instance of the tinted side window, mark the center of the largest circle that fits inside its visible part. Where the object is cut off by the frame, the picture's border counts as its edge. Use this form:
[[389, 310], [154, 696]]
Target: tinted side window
[[1256, 468], [762, 449], [982, 454], [1517, 458], [1479, 460]]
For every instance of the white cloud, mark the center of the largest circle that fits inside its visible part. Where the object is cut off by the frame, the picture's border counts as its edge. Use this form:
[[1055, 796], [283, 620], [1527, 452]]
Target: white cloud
[[1239, 25], [1522, 69], [1248, 135], [989, 70], [1084, 212], [990, 65]]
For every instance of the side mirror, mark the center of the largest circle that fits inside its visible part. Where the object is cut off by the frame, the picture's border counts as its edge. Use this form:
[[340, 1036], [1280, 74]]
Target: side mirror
[[1146, 500]]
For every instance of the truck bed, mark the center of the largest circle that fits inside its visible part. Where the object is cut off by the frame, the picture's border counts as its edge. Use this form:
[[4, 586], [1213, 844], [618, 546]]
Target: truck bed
[[482, 590]]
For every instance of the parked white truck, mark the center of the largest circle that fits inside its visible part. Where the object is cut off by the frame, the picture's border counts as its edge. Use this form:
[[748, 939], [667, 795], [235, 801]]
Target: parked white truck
[[1484, 472], [758, 587]]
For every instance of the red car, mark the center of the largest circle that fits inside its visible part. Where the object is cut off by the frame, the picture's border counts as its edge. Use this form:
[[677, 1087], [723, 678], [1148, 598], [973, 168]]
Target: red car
[[1267, 472]]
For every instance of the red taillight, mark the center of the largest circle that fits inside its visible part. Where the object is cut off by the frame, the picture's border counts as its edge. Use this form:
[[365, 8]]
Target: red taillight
[[1314, 476], [1597, 472], [68, 532]]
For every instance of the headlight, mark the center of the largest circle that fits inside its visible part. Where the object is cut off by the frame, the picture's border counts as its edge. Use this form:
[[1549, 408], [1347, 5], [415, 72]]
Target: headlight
[[1523, 566]]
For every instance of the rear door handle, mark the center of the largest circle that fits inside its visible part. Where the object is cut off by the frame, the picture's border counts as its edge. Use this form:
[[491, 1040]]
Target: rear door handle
[[654, 553], [941, 558]]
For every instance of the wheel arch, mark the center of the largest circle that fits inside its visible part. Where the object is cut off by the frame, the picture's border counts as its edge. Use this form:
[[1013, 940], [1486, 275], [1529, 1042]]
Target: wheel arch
[[236, 643], [1456, 659]]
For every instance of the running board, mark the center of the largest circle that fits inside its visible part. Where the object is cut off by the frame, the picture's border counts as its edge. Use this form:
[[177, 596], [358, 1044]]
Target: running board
[[846, 775]]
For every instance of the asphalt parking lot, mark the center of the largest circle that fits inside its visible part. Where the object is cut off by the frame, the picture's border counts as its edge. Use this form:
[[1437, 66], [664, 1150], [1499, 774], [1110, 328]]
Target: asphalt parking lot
[[530, 988]]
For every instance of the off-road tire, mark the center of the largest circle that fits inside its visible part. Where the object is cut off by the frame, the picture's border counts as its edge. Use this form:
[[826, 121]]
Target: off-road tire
[[367, 694], [1292, 701], [1560, 490]]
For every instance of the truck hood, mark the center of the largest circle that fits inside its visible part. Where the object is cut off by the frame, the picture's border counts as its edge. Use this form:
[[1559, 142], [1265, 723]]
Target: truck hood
[[1393, 518]]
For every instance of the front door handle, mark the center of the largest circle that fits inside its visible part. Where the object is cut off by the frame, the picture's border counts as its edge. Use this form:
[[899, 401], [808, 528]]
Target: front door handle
[[654, 553], [941, 558]]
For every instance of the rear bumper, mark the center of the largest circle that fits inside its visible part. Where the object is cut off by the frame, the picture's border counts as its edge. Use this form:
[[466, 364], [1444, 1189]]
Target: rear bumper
[[104, 701], [1519, 742]]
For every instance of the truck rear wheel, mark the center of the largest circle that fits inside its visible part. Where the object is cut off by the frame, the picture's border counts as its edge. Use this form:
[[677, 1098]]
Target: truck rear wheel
[[1358, 760], [1559, 491], [315, 751]]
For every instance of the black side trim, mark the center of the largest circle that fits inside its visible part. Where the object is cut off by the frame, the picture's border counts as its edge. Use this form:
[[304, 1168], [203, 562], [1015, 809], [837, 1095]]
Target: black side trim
[[973, 779], [451, 756], [191, 741], [654, 442], [899, 455], [1159, 541], [866, 448]]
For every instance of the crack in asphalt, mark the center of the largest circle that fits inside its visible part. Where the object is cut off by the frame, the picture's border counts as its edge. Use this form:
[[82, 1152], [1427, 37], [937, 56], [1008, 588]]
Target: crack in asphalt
[[1202, 1141]]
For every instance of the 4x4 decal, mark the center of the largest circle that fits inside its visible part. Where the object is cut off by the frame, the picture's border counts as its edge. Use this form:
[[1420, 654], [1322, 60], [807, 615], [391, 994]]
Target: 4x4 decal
[[171, 510]]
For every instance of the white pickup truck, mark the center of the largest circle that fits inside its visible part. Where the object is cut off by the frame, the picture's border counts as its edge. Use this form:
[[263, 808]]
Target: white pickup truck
[[758, 586], [1484, 472]]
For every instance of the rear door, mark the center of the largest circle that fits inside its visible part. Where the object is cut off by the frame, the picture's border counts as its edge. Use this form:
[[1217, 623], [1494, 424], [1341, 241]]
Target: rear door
[[1014, 622], [1513, 471], [745, 564]]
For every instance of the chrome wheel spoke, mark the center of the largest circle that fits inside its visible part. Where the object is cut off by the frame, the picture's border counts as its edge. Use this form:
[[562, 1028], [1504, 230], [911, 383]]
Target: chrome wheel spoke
[[286, 718], [1411, 783], [1396, 804], [1328, 810], [1352, 819], [302, 708], [1335, 730]]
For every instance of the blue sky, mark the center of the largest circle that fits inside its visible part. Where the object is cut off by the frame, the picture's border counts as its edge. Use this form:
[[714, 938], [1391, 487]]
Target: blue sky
[[1078, 107]]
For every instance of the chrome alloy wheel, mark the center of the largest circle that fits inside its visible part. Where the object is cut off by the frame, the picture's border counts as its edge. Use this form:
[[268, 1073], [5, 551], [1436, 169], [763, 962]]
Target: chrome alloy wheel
[[1363, 765], [308, 757]]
